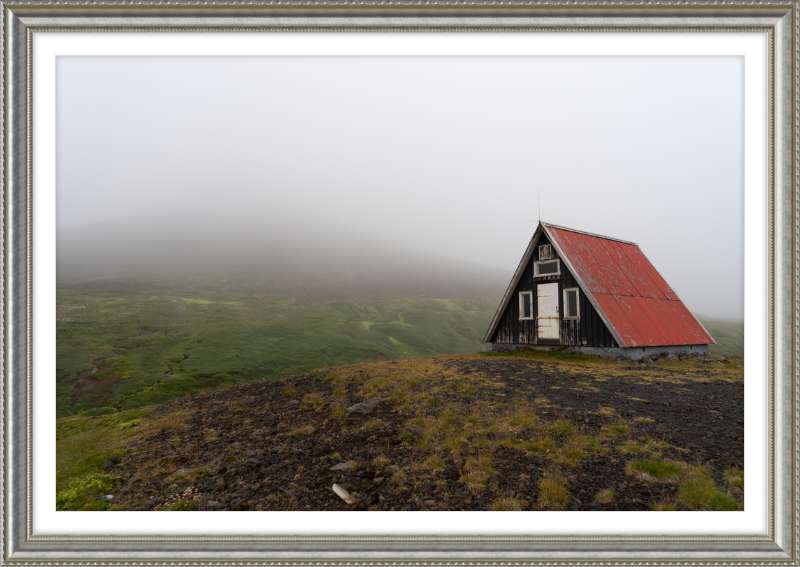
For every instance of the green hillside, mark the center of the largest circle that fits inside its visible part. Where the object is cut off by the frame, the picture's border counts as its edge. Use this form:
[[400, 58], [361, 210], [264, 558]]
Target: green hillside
[[118, 351], [126, 350], [728, 334]]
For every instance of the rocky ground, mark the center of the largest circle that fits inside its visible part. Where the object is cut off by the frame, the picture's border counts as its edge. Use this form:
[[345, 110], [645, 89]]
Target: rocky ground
[[452, 433]]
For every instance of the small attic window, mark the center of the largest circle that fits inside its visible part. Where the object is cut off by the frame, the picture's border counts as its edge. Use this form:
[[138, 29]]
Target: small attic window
[[544, 252], [547, 268]]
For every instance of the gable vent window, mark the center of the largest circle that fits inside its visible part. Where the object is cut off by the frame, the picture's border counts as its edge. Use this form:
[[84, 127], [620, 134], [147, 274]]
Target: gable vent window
[[544, 252], [571, 309], [526, 305], [547, 268]]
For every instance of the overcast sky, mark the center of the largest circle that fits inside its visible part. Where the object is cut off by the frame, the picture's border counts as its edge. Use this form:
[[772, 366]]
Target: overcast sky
[[446, 155]]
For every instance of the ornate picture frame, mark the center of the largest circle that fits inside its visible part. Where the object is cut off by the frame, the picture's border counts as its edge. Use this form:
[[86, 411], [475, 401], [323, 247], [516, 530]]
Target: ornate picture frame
[[778, 21]]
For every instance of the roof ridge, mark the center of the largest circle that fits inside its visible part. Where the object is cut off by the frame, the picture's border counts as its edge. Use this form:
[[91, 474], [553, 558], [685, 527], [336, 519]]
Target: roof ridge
[[549, 225]]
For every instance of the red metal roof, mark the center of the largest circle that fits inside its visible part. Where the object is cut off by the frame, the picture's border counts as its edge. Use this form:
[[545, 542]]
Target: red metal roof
[[632, 295]]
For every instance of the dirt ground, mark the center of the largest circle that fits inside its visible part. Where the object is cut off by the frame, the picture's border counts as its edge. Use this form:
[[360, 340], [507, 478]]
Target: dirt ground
[[451, 433]]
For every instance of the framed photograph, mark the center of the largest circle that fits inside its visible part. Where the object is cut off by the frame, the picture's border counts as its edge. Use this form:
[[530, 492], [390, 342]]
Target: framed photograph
[[300, 272]]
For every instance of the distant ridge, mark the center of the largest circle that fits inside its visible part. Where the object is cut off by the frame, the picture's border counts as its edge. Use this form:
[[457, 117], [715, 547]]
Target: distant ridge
[[255, 255]]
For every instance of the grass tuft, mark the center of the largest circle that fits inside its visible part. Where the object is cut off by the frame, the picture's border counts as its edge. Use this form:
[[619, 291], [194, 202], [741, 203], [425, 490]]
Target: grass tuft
[[478, 470], [604, 496], [312, 401], [735, 478], [434, 462], [562, 426], [700, 492], [305, 430], [652, 469], [553, 490], [506, 503], [338, 411], [536, 446], [381, 461]]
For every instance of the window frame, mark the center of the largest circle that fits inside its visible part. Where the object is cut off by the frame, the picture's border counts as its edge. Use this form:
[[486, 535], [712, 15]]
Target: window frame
[[549, 252], [537, 263], [521, 311], [577, 290]]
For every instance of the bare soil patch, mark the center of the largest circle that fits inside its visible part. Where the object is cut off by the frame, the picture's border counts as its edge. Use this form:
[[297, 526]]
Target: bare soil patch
[[88, 383]]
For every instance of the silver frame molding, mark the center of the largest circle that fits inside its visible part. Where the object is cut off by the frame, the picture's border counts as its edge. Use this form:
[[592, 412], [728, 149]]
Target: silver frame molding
[[780, 21]]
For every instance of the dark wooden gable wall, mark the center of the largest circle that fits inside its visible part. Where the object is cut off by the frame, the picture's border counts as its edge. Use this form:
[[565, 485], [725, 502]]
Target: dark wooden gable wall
[[588, 330]]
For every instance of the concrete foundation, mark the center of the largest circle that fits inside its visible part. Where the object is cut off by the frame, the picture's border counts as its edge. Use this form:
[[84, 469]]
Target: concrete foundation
[[508, 347], [632, 353], [635, 353]]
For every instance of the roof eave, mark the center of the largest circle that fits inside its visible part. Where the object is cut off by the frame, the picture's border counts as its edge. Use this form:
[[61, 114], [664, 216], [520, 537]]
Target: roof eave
[[547, 224], [514, 281]]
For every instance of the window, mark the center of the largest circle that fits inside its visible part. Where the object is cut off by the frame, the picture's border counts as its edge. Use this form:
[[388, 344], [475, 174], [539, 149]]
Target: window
[[547, 268], [544, 252], [526, 305], [571, 305]]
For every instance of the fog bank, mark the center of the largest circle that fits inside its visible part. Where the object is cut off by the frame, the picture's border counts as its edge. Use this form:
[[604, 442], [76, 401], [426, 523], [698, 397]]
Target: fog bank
[[262, 254]]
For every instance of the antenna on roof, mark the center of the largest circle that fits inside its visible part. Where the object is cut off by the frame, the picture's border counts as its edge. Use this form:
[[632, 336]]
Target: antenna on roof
[[540, 208]]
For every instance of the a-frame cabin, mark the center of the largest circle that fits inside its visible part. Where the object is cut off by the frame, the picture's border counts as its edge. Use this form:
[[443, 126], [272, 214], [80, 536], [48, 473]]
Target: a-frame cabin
[[598, 294]]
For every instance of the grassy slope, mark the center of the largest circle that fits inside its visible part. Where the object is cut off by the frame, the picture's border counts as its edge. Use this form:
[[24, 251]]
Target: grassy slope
[[209, 339], [85, 442], [213, 339]]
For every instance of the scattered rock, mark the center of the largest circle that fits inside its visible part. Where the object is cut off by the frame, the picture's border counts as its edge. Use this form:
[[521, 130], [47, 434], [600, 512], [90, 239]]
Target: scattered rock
[[133, 480], [365, 406], [341, 467], [343, 494], [378, 481], [114, 459], [178, 472], [107, 465]]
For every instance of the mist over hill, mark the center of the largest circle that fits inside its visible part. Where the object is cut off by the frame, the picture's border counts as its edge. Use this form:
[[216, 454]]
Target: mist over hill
[[260, 253]]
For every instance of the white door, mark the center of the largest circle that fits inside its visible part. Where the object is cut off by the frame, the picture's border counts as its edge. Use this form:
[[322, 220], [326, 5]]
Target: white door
[[547, 314]]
